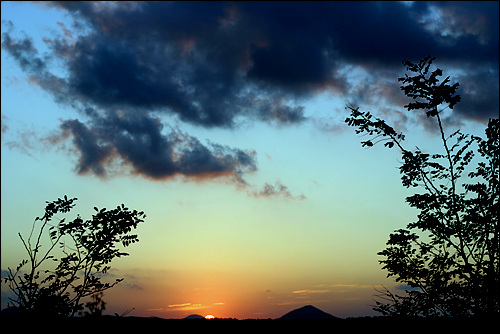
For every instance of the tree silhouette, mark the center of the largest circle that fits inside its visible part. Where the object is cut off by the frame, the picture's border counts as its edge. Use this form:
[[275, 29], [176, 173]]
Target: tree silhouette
[[449, 257], [55, 279]]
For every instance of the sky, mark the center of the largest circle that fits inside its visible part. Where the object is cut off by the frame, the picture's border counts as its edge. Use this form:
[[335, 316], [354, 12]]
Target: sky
[[224, 123]]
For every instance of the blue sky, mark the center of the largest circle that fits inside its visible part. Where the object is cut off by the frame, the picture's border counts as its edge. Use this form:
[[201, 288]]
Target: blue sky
[[224, 123]]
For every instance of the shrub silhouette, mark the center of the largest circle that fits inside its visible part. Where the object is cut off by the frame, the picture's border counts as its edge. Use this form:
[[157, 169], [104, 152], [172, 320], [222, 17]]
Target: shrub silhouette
[[450, 256], [55, 279]]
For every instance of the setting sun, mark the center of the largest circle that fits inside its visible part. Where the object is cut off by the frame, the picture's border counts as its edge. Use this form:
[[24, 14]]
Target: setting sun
[[209, 317]]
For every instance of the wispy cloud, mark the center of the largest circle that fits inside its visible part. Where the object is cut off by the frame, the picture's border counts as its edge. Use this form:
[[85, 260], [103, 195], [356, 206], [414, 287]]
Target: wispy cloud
[[189, 306], [306, 292], [179, 307], [276, 190], [183, 305], [332, 288]]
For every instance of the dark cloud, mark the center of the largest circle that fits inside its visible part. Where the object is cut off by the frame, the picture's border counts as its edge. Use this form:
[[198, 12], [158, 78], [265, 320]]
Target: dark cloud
[[165, 60], [215, 64], [207, 62], [92, 155], [138, 142], [23, 51], [478, 88]]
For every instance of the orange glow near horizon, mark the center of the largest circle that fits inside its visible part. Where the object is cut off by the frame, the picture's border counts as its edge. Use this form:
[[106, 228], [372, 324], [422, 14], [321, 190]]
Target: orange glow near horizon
[[209, 317]]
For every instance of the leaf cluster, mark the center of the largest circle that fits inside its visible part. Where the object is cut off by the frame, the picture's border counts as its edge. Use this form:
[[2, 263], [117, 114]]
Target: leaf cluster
[[425, 89], [372, 126]]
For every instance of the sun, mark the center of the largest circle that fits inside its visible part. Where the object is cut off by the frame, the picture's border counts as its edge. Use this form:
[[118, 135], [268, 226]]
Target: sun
[[209, 317]]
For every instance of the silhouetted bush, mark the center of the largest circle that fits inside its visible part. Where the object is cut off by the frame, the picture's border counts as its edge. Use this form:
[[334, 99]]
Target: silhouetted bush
[[71, 265], [450, 256]]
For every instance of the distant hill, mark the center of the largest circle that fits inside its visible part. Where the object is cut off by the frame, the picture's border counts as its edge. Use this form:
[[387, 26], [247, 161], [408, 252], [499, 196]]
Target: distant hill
[[194, 316], [307, 312]]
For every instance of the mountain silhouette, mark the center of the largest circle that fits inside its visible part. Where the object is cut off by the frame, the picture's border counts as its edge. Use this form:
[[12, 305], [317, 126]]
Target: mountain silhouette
[[307, 312], [194, 316]]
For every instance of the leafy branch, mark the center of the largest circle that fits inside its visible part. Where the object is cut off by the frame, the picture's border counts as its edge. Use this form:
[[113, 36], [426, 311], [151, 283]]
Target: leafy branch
[[453, 261], [86, 247]]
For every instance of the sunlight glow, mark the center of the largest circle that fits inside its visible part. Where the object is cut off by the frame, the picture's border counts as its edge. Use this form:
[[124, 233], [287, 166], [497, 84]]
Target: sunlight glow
[[209, 317]]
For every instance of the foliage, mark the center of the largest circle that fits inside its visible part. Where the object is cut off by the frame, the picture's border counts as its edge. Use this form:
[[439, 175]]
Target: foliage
[[96, 305], [449, 258], [54, 279]]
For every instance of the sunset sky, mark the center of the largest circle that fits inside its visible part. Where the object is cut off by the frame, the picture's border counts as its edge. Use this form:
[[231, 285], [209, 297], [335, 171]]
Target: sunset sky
[[224, 123]]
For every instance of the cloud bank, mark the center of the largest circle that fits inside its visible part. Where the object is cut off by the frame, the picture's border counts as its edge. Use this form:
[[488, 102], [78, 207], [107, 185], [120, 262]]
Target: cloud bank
[[129, 67]]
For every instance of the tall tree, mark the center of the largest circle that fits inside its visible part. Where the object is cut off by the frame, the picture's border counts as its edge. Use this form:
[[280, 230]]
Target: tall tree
[[449, 258], [70, 262]]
